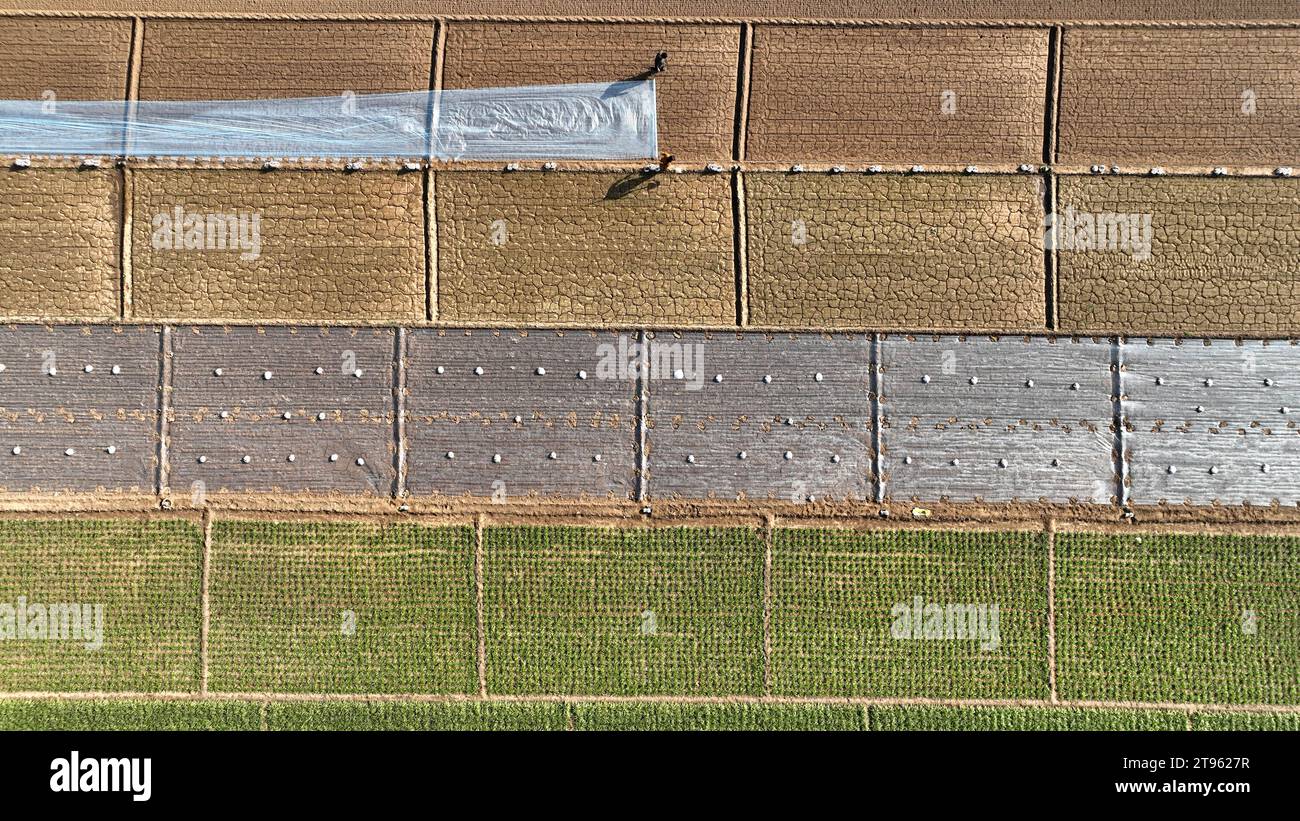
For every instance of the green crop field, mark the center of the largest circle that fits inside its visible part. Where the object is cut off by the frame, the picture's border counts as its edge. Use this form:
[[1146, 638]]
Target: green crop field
[[367, 609], [135, 584], [1175, 618], [135, 714], [1246, 721], [342, 608], [678, 716], [252, 715], [379, 715], [676, 611], [927, 717], [845, 614]]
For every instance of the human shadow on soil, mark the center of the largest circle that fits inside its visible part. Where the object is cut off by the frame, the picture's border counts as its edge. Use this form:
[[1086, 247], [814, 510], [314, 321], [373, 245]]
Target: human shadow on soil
[[630, 183]]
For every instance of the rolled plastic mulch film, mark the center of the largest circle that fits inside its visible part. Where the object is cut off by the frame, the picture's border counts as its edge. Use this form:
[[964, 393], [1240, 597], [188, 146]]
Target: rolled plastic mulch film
[[589, 121]]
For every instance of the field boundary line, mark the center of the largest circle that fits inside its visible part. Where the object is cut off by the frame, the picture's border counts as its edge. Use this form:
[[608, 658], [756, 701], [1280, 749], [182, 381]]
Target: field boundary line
[[135, 56], [876, 403], [1255, 521], [744, 80], [886, 331], [850, 701], [1193, 21], [164, 410], [151, 513], [1186, 527], [1051, 116], [125, 224], [739, 147], [430, 181], [399, 414], [642, 434], [876, 523], [479, 620], [1123, 493], [740, 247], [700, 166], [1051, 259], [438, 59], [631, 521], [1204, 520], [430, 208], [1052, 106]]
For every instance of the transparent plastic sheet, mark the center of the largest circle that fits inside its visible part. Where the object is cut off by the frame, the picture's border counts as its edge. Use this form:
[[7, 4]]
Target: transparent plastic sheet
[[589, 121]]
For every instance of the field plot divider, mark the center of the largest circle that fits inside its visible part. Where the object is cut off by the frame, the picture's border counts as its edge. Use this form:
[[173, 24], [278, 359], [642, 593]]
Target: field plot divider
[[125, 223], [875, 379], [438, 57], [1051, 140], [430, 205], [164, 409], [744, 70], [134, 61], [1052, 103], [1122, 494], [1051, 259], [126, 182], [135, 57], [399, 413], [430, 209], [740, 242]]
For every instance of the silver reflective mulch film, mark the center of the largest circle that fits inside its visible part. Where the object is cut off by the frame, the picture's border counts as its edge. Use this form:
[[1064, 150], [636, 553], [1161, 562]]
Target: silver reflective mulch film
[[590, 121]]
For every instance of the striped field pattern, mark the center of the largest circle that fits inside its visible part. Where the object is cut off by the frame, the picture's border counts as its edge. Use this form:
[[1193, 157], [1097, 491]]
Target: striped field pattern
[[926, 371], [143, 574], [251, 623], [673, 611], [133, 714], [340, 608], [101, 714], [1178, 618], [665, 716], [345, 715], [514, 415], [839, 594], [932, 717], [1246, 721]]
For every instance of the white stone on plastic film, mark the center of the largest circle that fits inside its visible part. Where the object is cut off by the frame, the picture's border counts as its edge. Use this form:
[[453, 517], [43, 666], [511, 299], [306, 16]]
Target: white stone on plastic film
[[1007, 419], [1205, 421]]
